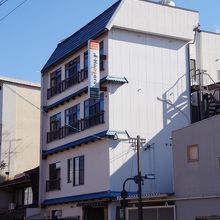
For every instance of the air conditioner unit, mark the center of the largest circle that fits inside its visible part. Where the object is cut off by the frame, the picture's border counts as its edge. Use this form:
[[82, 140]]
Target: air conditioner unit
[[11, 206]]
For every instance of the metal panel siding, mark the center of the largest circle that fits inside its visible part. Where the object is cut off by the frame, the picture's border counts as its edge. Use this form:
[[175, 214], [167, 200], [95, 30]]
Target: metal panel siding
[[157, 19], [81, 37], [210, 55], [155, 67]]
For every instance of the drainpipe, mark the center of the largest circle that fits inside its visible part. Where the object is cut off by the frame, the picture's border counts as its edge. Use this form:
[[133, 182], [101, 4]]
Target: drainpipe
[[189, 85]]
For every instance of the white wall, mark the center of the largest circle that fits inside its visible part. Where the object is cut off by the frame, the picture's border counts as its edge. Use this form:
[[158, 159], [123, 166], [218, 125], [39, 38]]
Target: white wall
[[96, 156], [209, 44], [156, 19], [155, 67]]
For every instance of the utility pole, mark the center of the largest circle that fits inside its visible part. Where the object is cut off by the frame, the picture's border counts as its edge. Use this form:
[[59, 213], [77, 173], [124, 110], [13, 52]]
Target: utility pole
[[138, 180], [140, 210]]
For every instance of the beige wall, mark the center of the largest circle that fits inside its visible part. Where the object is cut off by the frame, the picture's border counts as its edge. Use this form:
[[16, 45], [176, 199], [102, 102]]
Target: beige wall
[[21, 127]]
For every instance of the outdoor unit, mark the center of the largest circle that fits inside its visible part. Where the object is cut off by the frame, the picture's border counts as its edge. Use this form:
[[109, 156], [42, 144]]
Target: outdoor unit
[[11, 206], [168, 2]]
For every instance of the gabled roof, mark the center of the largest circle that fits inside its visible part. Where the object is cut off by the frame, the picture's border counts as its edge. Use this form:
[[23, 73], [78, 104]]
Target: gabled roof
[[79, 39]]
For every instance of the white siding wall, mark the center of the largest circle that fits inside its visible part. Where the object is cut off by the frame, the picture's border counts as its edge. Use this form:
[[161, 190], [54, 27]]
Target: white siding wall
[[96, 170], [156, 19], [210, 55], [155, 67]]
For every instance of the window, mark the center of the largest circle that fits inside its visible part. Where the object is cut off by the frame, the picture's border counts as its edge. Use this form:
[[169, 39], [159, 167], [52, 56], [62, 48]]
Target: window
[[54, 170], [78, 171], [54, 177], [55, 128], [72, 71], [55, 122], [102, 56], [94, 111], [72, 115], [70, 171], [86, 63], [193, 153], [75, 170], [28, 196], [193, 69], [55, 84]]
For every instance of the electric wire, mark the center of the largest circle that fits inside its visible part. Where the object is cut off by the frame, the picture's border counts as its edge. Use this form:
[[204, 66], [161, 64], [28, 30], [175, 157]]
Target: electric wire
[[5, 16], [3, 2], [79, 130]]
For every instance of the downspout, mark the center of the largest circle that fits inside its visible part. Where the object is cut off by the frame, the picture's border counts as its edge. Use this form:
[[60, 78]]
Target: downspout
[[189, 84]]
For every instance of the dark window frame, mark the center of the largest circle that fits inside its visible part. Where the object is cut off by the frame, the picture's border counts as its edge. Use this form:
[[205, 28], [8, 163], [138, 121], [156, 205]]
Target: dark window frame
[[76, 170]]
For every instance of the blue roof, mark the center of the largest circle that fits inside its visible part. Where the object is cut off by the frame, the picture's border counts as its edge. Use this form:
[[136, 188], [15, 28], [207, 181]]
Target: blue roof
[[79, 39], [84, 197]]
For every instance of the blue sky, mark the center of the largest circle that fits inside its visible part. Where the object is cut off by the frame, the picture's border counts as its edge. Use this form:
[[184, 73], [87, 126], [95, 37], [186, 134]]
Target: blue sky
[[30, 34]]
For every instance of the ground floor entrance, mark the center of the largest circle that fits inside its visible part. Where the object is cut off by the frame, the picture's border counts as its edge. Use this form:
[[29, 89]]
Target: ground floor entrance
[[95, 213]]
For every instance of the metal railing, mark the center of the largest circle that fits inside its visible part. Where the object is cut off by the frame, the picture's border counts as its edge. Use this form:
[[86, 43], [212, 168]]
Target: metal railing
[[53, 184], [80, 125], [54, 135], [54, 90], [93, 120]]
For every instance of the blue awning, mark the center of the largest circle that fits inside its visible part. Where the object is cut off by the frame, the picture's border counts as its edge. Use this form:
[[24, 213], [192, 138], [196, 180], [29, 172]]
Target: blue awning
[[83, 197]]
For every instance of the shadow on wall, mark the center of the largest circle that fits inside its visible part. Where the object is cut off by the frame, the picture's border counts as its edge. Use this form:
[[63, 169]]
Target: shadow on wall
[[156, 154]]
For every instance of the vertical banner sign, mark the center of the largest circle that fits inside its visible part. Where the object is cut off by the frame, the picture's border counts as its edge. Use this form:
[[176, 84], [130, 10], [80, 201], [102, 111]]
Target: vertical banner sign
[[93, 69]]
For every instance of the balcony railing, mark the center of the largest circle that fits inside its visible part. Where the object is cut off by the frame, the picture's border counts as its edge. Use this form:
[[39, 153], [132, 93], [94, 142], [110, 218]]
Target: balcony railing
[[93, 120], [54, 135], [71, 129], [80, 125], [73, 80], [53, 185], [54, 90]]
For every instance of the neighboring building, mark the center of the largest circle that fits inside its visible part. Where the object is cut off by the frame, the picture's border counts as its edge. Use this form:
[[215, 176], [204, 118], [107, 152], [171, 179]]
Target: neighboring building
[[196, 161], [205, 75], [20, 132], [145, 83], [22, 196]]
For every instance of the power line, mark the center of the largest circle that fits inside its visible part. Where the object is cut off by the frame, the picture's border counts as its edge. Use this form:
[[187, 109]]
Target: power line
[[79, 130], [3, 2], [1, 19]]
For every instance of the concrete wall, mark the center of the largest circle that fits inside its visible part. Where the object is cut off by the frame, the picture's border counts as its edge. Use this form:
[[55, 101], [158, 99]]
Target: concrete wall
[[20, 127], [200, 208], [201, 178], [156, 67]]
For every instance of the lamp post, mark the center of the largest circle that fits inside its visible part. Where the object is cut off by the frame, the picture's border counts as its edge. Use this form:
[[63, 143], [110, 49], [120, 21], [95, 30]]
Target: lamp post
[[124, 194]]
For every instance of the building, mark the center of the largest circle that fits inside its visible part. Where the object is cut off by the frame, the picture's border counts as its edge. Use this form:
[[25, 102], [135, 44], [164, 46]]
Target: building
[[19, 136], [196, 170], [21, 196], [145, 90]]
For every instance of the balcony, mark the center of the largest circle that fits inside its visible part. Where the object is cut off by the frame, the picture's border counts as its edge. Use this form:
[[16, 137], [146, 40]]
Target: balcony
[[71, 129], [54, 90], [81, 125], [53, 185], [93, 120], [54, 135], [76, 78]]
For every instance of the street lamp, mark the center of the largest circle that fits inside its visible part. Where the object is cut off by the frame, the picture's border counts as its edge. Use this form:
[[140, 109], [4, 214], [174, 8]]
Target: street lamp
[[124, 194]]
